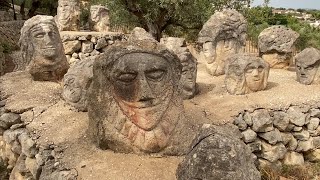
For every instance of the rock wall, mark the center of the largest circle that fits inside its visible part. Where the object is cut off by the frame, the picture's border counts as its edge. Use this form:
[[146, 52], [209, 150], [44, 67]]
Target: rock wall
[[289, 136], [21, 157], [10, 32], [79, 45]]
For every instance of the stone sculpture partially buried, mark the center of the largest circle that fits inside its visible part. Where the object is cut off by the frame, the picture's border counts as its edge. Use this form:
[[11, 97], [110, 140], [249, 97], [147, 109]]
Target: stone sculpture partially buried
[[134, 100], [99, 18], [307, 66], [189, 65], [42, 49], [246, 74], [68, 15]]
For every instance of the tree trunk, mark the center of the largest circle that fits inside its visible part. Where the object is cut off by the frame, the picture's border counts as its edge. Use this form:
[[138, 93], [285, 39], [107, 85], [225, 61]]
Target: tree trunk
[[34, 6], [22, 12], [154, 30]]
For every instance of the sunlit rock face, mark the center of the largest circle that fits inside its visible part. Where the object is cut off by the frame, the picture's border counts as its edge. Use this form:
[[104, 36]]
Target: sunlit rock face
[[222, 35], [307, 65], [76, 83], [135, 102], [42, 49], [246, 74], [189, 65], [68, 15], [99, 18], [276, 45]]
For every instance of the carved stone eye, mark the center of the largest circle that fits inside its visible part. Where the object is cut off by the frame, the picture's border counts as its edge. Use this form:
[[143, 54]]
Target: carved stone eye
[[39, 35], [155, 75], [309, 68], [127, 77]]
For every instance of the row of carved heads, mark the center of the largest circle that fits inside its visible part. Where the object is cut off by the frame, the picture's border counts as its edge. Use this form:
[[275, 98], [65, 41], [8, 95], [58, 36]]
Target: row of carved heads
[[68, 16]]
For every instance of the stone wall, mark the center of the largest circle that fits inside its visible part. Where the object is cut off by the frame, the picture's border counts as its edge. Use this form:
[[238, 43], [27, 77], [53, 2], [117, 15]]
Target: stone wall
[[289, 136], [21, 157], [79, 45]]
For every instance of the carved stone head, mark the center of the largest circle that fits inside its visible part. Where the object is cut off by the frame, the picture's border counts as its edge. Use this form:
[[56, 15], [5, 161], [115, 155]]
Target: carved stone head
[[76, 83], [68, 15], [246, 74], [134, 100], [307, 66], [222, 35], [189, 65], [42, 49], [99, 18]]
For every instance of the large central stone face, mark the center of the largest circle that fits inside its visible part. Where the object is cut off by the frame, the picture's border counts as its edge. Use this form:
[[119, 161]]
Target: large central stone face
[[42, 49], [134, 100]]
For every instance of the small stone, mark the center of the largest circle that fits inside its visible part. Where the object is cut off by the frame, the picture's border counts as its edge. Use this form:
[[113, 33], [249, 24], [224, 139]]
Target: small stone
[[95, 53], [242, 125], [56, 164], [101, 43], [255, 146], [266, 163], [33, 167], [71, 46], [249, 136], [273, 153], [2, 103], [28, 145], [296, 117], [302, 135], [279, 120], [297, 129], [94, 40], [261, 121], [9, 119], [316, 142], [315, 113], [292, 145], [271, 137], [82, 38], [290, 127], [313, 156], [247, 118], [304, 146], [75, 55], [293, 158], [286, 138], [17, 126], [313, 124], [110, 42], [87, 47]]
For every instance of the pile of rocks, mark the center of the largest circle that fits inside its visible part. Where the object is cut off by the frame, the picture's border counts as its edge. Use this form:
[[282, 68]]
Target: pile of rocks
[[21, 157], [287, 136], [80, 45]]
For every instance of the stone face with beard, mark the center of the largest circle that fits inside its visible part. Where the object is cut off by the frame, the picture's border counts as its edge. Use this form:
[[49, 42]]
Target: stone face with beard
[[307, 66], [42, 49], [246, 74], [135, 102], [99, 18]]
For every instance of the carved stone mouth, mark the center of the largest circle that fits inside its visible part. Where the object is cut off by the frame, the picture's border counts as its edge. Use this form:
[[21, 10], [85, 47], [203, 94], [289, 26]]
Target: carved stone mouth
[[143, 104]]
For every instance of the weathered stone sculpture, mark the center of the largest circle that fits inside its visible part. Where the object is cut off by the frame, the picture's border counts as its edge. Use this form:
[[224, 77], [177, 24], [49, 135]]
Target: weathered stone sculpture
[[68, 15], [139, 33], [222, 35], [189, 65], [246, 74], [99, 18], [134, 100], [42, 49], [276, 44], [2, 61], [218, 153], [76, 83], [307, 66]]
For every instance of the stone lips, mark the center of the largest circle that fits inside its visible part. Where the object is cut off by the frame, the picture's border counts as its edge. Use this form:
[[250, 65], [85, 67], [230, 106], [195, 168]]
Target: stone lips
[[114, 121], [236, 69]]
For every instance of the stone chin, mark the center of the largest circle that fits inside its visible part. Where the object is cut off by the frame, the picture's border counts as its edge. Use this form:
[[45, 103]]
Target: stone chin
[[146, 115], [305, 80]]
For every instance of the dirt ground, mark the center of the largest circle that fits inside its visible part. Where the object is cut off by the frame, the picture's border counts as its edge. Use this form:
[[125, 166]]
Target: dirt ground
[[52, 121]]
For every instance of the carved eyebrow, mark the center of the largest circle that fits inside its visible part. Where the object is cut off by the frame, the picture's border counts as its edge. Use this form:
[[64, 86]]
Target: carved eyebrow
[[36, 29]]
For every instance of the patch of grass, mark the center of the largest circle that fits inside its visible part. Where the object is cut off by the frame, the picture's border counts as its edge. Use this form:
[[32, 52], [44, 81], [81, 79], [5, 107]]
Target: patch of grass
[[307, 172]]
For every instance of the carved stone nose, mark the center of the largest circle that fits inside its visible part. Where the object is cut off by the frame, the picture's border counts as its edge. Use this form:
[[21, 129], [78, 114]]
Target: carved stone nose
[[145, 92]]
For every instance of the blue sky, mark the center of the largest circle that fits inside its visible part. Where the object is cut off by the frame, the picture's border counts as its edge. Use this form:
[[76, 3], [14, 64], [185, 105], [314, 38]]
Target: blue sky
[[295, 4]]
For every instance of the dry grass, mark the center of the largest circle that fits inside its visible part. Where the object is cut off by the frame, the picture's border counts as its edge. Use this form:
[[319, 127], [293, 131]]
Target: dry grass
[[311, 171]]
